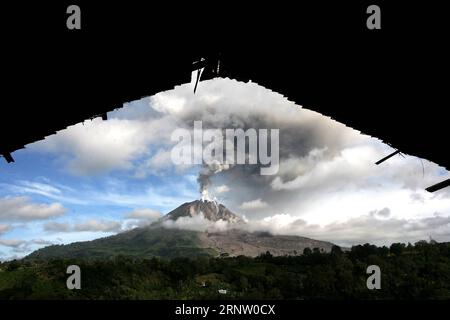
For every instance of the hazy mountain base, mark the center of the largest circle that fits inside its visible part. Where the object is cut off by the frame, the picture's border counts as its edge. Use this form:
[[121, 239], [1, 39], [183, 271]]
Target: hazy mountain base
[[170, 243], [238, 242], [413, 272]]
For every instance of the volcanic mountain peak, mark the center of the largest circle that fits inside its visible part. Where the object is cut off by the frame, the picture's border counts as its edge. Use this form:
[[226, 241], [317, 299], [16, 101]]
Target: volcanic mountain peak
[[210, 209], [160, 240]]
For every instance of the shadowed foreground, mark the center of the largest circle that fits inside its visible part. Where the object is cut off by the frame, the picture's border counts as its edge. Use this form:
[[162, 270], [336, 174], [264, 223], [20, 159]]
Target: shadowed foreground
[[421, 271]]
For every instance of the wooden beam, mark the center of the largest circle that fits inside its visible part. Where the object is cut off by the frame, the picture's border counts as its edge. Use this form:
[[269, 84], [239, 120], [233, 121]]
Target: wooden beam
[[387, 157], [439, 186], [8, 157]]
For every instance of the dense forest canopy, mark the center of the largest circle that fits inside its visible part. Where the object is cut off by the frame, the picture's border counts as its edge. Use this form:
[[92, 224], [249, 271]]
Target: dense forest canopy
[[420, 271]]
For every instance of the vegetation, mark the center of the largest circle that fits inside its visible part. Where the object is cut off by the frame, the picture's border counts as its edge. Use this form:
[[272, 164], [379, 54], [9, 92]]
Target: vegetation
[[421, 271], [139, 243]]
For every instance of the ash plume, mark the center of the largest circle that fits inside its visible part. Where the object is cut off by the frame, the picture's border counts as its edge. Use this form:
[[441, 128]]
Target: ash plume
[[205, 174]]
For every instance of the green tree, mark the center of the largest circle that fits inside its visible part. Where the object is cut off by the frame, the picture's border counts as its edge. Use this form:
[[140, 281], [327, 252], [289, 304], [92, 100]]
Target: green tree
[[397, 248]]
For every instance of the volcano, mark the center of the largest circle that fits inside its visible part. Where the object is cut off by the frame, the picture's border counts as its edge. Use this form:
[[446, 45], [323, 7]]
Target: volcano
[[209, 209], [163, 239]]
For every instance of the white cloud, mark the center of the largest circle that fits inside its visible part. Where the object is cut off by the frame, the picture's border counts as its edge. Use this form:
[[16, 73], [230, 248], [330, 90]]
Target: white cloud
[[60, 193], [383, 213], [40, 188], [98, 225], [98, 146], [115, 192], [91, 225], [21, 208], [254, 204], [222, 189], [155, 165], [197, 223], [42, 242], [4, 228], [169, 104], [145, 214], [14, 243], [17, 248], [369, 228], [57, 227], [149, 197]]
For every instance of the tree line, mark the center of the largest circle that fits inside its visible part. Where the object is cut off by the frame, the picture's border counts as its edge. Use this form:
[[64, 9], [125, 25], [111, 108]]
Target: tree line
[[420, 271]]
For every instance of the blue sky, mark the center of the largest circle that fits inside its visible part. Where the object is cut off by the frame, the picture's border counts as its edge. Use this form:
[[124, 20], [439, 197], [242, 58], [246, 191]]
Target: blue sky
[[43, 179], [102, 177]]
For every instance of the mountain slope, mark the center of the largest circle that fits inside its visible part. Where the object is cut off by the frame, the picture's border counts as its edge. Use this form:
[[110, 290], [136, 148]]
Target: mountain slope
[[139, 242]]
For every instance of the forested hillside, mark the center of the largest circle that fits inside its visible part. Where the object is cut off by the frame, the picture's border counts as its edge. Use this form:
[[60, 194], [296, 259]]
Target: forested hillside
[[421, 271]]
